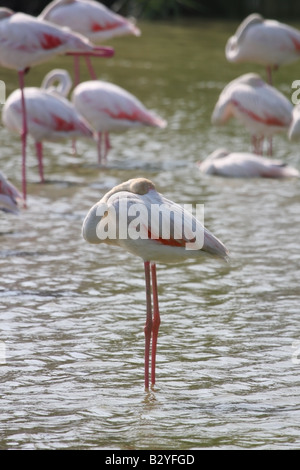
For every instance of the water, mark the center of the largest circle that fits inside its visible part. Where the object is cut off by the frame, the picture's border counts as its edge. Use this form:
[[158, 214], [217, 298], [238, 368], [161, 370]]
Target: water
[[72, 314]]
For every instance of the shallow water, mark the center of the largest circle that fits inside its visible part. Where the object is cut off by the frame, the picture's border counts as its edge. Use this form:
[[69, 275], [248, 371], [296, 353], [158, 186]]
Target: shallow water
[[72, 314]]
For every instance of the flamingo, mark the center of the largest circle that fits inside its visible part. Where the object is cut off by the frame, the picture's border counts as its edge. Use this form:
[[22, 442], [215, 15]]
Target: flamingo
[[265, 42], [26, 41], [244, 165], [260, 107], [162, 232], [294, 130], [50, 116], [9, 196], [90, 18], [108, 107]]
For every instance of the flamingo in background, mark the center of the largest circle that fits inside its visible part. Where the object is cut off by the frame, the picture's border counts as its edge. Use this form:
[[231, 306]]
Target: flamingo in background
[[50, 116], [90, 18], [265, 42], [174, 237], [294, 130], [26, 41], [108, 107], [244, 165], [9, 196], [261, 108]]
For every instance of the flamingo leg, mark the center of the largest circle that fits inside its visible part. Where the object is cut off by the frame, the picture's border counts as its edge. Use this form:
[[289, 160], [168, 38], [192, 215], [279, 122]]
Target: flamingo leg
[[270, 148], [39, 154], [23, 135], [156, 321], [148, 324], [99, 145], [76, 70], [90, 67], [269, 74], [257, 143], [107, 146]]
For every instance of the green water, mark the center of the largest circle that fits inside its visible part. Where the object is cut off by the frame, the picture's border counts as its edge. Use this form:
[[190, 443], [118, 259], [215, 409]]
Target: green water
[[72, 314]]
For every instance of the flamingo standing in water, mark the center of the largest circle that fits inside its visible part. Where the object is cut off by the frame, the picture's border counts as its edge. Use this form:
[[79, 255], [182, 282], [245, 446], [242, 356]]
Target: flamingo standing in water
[[245, 165], [90, 18], [26, 41], [50, 116], [108, 107], [265, 42], [162, 232], [261, 108], [9, 196], [294, 130]]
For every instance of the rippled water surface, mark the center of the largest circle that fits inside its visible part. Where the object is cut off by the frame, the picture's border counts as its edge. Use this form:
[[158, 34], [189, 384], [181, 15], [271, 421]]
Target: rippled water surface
[[72, 314]]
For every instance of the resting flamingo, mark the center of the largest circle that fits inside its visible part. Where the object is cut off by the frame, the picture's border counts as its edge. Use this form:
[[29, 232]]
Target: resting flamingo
[[294, 130], [126, 217], [245, 165], [261, 108], [90, 18], [265, 42], [109, 108], [26, 41], [9, 196], [50, 116]]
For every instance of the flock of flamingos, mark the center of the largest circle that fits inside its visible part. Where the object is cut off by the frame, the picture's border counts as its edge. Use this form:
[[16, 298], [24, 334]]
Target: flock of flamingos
[[97, 108]]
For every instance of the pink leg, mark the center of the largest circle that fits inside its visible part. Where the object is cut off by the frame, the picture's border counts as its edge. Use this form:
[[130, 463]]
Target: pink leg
[[270, 148], [257, 143], [76, 70], [74, 147], [23, 135], [99, 145], [107, 146], [39, 154], [90, 68], [148, 324], [156, 321]]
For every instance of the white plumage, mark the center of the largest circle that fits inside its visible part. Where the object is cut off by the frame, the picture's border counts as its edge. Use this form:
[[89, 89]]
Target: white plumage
[[124, 217], [50, 116], [109, 108], [92, 19], [9, 196], [261, 108], [265, 42], [245, 165]]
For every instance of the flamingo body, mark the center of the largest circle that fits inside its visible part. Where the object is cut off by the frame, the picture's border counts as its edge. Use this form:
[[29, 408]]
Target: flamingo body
[[245, 165], [294, 130], [261, 108], [27, 41], [117, 210], [90, 18], [265, 42], [50, 116], [9, 196], [110, 108]]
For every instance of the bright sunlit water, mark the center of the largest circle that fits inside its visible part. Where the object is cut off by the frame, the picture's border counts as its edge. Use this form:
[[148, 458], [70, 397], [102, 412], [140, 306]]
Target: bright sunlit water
[[72, 314]]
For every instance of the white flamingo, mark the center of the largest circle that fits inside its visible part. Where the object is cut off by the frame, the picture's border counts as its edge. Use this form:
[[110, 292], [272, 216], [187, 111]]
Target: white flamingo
[[265, 42], [125, 217], [245, 165], [50, 116], [26, 41], [90, 18], [294, 129], [9, 196], [260, 107], [110, 108]]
